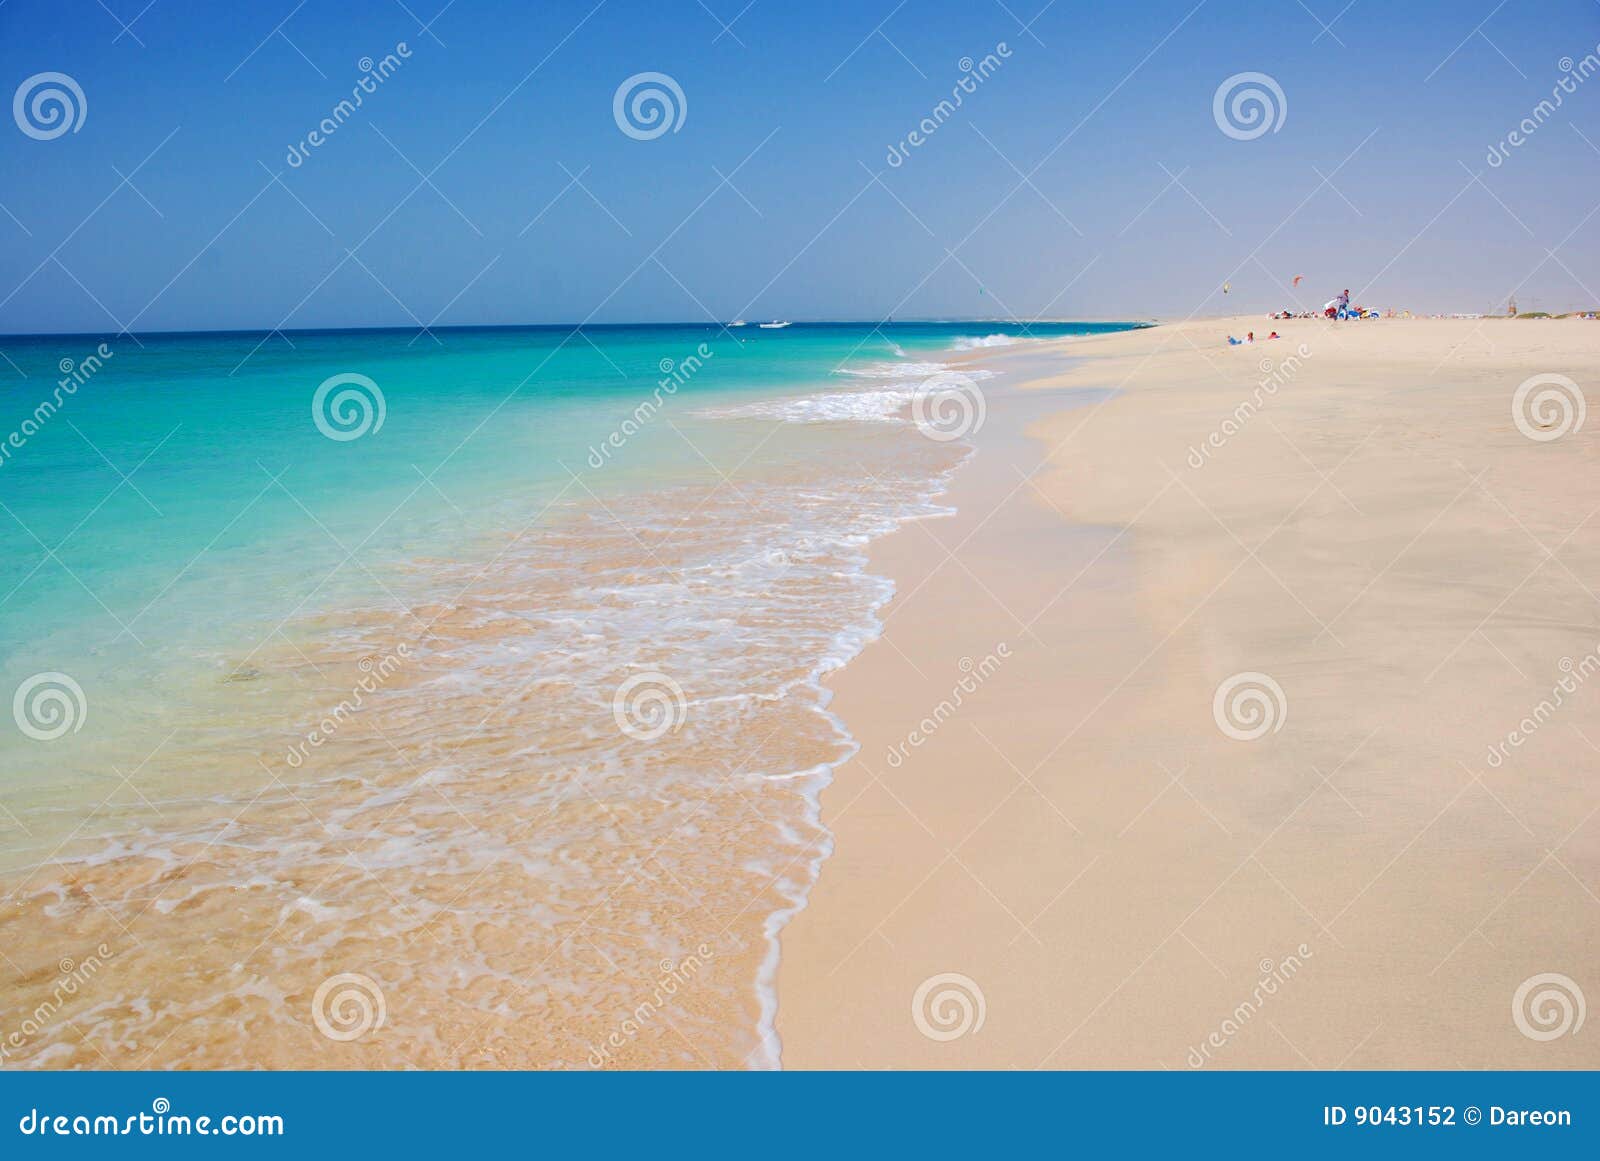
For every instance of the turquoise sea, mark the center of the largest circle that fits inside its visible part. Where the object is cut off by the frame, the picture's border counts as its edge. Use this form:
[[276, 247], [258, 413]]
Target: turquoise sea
[[485, 663]]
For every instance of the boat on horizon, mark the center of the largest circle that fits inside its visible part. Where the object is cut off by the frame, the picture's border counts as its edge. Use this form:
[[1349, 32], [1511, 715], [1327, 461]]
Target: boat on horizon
[[773, 326]]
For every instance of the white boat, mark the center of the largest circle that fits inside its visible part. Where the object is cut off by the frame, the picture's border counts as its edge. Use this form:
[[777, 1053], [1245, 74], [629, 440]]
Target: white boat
[[773, 326], [738, 322]]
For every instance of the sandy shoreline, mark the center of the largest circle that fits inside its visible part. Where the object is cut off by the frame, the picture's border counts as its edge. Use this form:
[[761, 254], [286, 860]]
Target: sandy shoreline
[[1369, 883]]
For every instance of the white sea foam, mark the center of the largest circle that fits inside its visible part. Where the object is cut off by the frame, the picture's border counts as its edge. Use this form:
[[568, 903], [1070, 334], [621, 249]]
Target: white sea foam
[[468, 773], [879, 405], [970, 343], [894, 370]]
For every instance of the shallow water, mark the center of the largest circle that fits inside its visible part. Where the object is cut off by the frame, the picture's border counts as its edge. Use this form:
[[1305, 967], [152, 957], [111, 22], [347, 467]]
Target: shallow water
[[491, 737]]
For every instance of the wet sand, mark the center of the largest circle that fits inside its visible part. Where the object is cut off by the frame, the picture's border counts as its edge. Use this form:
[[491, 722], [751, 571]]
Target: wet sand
[[1366, 854], [548, 814]]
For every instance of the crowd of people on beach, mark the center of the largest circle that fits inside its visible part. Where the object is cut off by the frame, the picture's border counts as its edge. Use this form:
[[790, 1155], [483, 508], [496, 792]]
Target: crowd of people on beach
[[1337, 307]]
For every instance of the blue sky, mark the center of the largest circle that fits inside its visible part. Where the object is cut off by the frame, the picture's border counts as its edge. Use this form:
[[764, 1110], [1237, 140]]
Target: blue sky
[[539, 208]]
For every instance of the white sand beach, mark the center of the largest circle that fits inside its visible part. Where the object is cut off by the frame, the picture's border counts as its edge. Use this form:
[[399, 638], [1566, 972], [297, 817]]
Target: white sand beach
[[1375, 869]]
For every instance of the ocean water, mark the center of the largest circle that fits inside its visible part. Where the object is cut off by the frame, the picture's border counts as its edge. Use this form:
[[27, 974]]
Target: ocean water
[[461, 691]]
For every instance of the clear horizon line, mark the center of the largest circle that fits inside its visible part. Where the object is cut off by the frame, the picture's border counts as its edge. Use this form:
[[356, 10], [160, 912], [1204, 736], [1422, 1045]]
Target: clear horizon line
[[419, 330]]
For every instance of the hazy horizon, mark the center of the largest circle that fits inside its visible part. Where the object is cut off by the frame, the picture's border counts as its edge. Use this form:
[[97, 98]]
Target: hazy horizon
[[489, 178]]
